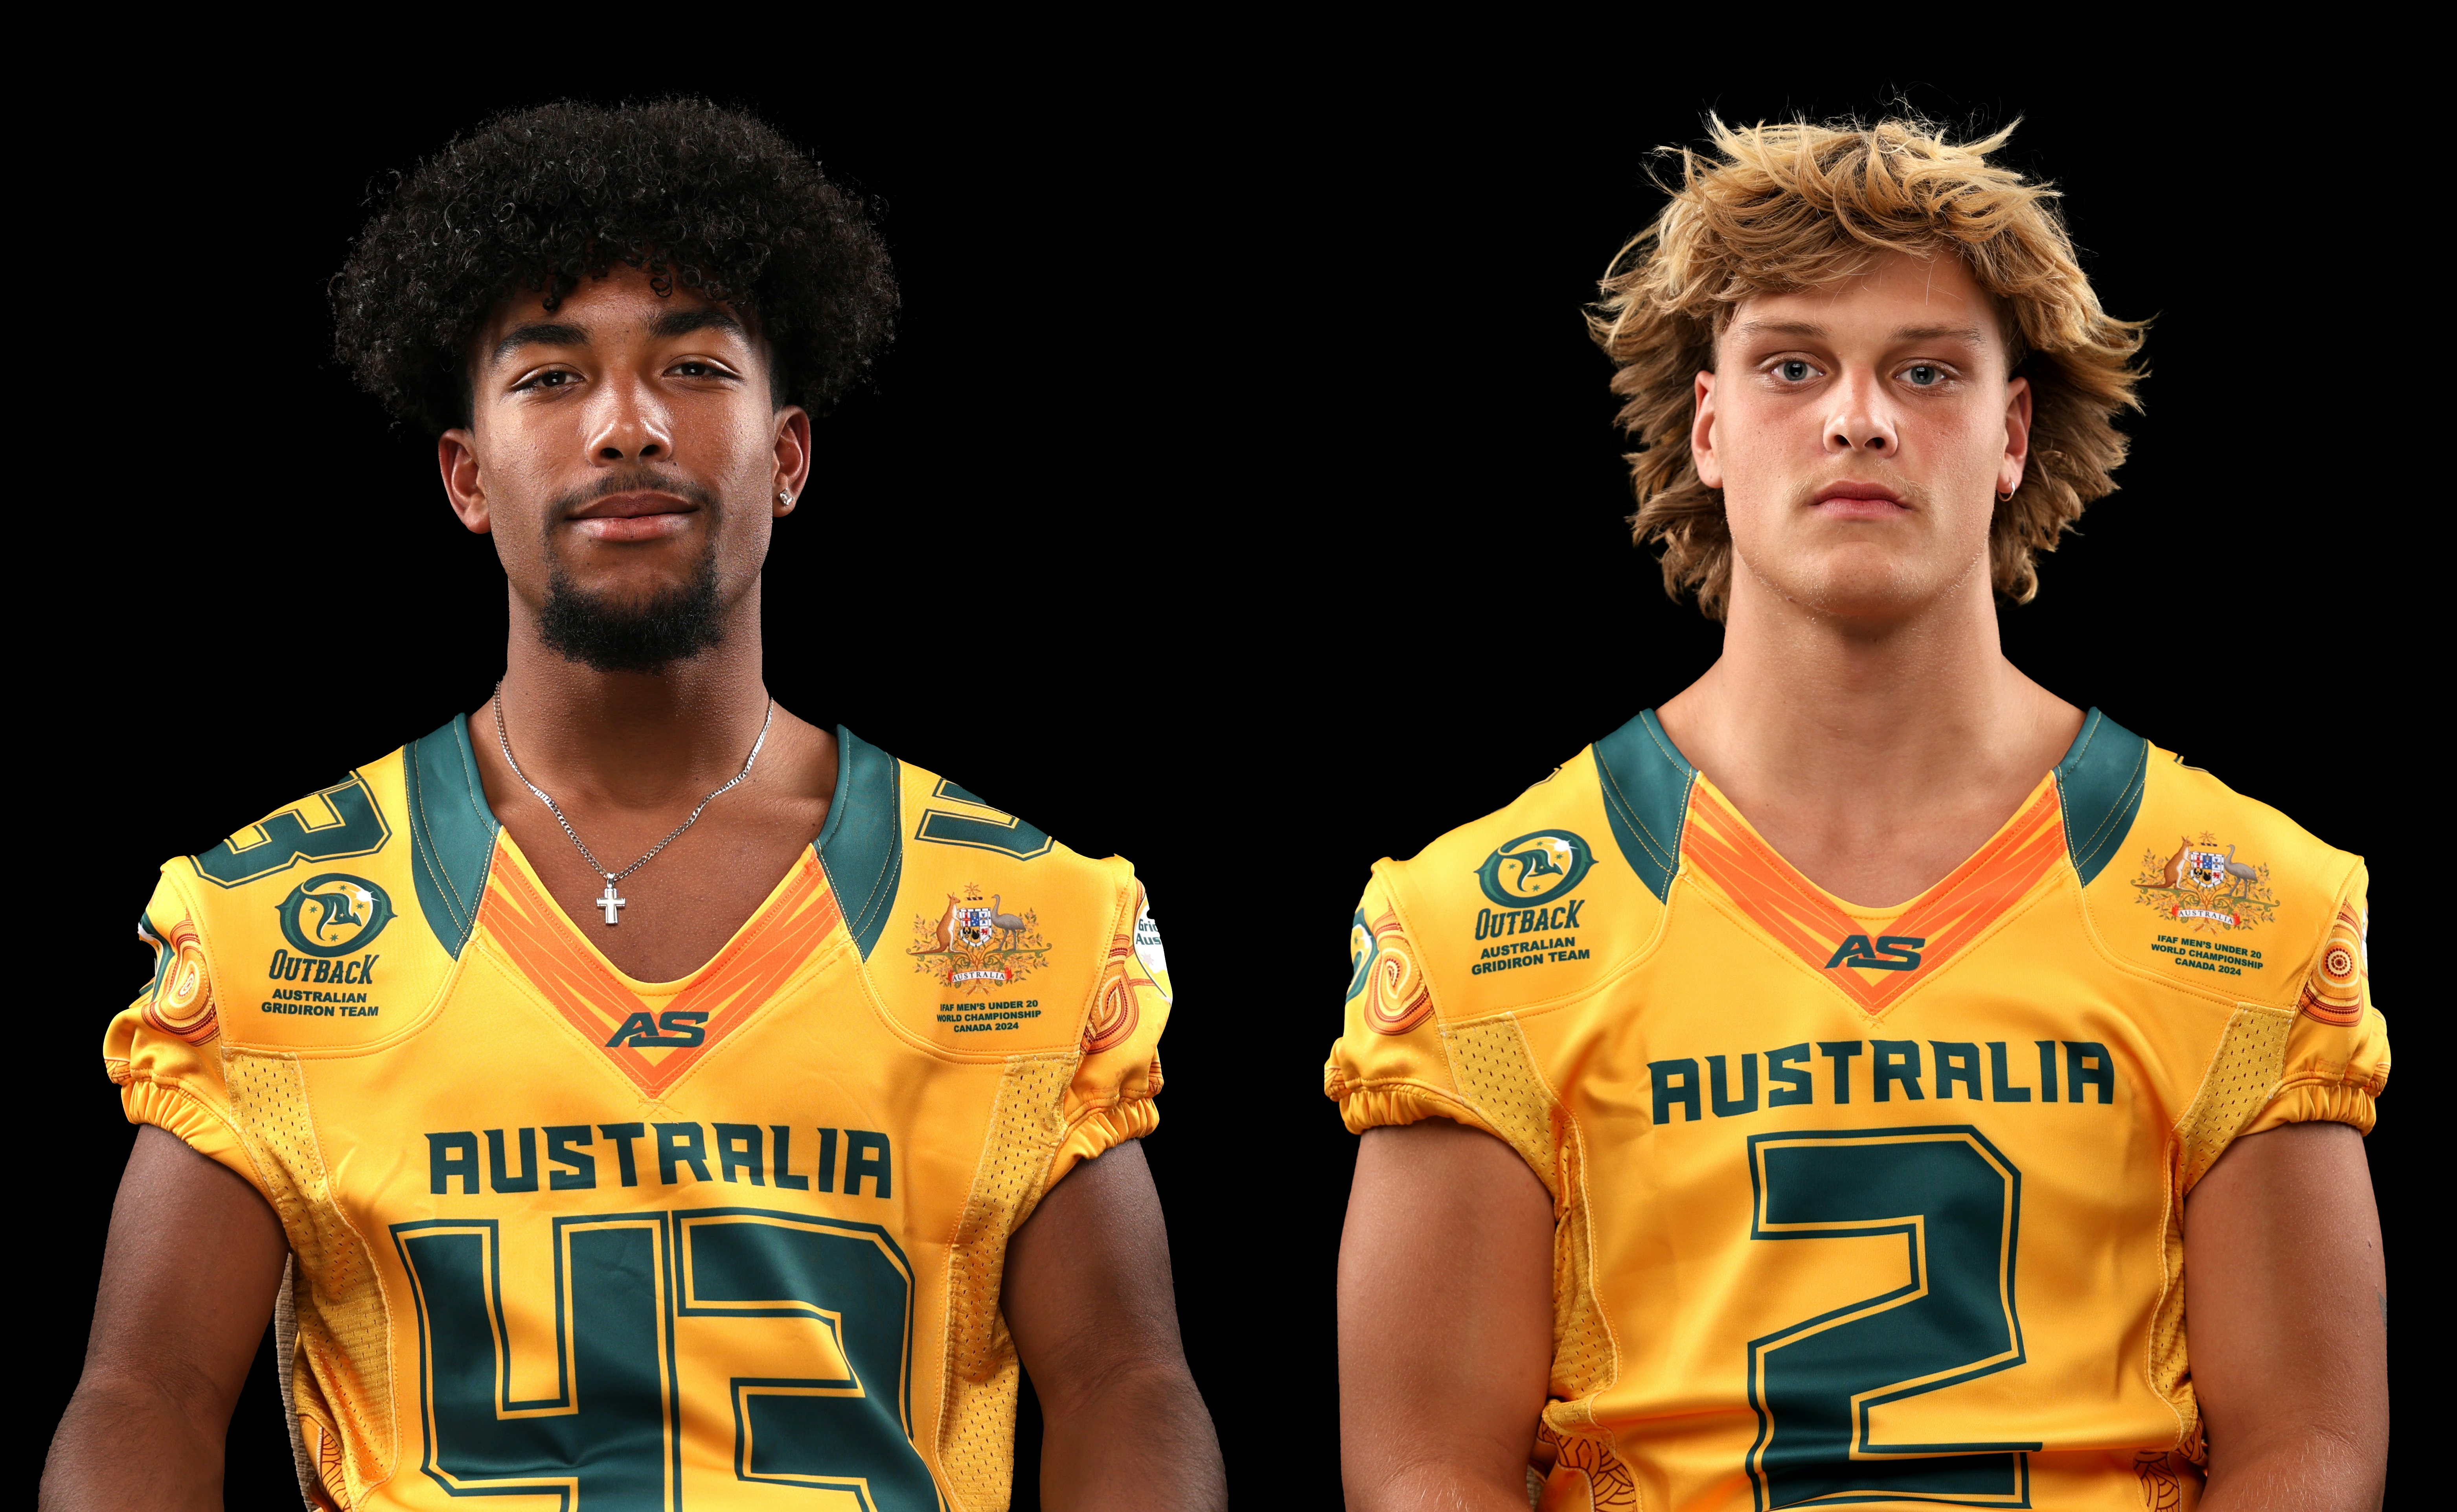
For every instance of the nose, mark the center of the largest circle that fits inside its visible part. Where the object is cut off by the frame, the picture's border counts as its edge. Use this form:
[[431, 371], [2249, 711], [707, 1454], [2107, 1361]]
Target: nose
[[630, 425], [1860, 423]]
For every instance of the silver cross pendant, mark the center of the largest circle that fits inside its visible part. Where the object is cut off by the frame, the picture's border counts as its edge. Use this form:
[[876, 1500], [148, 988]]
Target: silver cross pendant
[[610, 903]]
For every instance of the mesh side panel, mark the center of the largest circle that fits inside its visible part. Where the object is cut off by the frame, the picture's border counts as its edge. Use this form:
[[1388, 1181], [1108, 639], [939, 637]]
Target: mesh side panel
[[2250, 1061], [977, 1420], [2245, 1071], [285, 1366], [1495, 1070], [345, 1338]]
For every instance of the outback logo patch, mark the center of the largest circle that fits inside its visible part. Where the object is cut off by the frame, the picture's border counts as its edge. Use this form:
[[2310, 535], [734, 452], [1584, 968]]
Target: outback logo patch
[[334, 913], [1528, 878], [1535, 869]]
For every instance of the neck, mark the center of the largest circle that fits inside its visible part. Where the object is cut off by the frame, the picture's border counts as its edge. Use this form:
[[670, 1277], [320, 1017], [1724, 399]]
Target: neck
[[1880, 716], [632, 739]]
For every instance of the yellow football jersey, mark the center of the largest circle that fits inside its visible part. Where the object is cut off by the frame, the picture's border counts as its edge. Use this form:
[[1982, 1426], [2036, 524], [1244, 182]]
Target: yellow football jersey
[[732, 1241], [1866, 1205]]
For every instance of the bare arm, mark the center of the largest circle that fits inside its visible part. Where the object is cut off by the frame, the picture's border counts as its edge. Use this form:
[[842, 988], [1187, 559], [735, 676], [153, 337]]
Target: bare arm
[[1445, 1321], [2285, 1311], [1094, 1314], [188, 1279]]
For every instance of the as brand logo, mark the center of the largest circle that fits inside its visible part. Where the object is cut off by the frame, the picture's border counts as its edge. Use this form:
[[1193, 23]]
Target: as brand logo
[[1535, 868], [673, 1029], [334, 913], [1888, 953]]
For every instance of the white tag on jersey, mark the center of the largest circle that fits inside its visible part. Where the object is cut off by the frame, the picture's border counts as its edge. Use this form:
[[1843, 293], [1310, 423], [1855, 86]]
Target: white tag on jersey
[[1148, 950]]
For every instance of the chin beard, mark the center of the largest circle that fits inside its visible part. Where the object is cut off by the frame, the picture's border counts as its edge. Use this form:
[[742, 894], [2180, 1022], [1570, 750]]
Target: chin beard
[[674, 626]]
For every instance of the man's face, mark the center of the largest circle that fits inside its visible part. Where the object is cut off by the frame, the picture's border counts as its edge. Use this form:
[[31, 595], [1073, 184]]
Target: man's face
[[623, 453], [1861, 433]]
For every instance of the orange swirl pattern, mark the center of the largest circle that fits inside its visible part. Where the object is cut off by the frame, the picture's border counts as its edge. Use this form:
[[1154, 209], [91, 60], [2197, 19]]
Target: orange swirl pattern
[[2162, 1488], [1725, 852], [1610, 1486], [537, 938], [1395, 996], [183, 1006], [2334, 992], [1115, 1012]]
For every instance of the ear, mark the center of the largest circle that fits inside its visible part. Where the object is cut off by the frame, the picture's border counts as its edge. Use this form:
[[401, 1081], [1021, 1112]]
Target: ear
[[2017, 436], [456, 454], [1702, 434], [792, 459]]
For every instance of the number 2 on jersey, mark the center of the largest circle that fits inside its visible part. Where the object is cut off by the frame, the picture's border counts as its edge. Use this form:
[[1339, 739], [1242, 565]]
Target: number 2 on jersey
[[1956, 1201]]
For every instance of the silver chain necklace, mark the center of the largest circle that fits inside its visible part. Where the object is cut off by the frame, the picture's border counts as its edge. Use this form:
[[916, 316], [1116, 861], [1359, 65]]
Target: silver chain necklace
[[610, 902]]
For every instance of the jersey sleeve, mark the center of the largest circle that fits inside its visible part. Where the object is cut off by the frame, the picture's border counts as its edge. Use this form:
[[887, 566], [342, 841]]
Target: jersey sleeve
[[164, 1049], [1110, 1099], [1390, 1064], [2337, 1050]]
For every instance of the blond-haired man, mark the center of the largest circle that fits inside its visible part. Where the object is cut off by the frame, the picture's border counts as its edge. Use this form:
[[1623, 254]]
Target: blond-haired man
[[1812, 1092]]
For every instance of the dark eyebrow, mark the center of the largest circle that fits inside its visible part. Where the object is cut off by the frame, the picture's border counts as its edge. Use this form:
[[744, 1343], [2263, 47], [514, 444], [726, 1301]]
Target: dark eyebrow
[[705, 318], [672, 323], [1908, 332], [538, 333]]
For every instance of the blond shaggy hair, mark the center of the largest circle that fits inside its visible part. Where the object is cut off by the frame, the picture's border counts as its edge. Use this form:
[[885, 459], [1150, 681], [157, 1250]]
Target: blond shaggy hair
[[1800, 206]]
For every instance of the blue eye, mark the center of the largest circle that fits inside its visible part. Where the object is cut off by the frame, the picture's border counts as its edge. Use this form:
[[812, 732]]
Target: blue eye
[[1795, 371], [1924, 374]]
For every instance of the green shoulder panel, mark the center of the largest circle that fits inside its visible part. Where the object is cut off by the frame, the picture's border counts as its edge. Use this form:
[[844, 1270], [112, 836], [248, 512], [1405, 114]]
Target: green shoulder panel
[[1646, 785], [2099, 785], [451, 831], [862, 847]]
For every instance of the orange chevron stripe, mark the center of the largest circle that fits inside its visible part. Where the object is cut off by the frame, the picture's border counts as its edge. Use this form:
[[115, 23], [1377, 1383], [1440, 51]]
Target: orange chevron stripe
[[1730, 856], [539, 942]]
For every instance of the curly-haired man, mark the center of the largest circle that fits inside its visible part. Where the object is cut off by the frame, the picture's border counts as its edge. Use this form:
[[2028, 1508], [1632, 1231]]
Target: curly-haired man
[[631, 1095], [1867, 1078]]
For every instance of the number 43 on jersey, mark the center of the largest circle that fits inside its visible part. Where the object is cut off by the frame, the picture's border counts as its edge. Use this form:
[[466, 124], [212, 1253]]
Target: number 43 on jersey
[[610, 1438]]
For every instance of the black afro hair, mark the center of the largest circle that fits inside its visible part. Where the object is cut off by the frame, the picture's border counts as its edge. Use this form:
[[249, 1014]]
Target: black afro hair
[[537, 199]]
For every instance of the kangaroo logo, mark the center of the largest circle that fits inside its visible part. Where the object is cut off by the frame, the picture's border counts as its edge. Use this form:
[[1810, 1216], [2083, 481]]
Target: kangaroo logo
[[334, 913], [1889, 953], [1535, 868]]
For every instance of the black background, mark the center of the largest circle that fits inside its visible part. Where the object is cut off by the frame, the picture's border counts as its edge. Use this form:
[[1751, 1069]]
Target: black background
[[1195, 515]]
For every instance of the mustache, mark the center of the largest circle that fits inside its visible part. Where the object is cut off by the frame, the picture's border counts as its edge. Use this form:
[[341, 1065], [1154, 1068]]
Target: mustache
[[635, 480]]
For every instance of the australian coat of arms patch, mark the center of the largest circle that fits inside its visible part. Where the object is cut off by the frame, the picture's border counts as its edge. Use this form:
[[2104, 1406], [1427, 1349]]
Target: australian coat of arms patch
[[2206, 886], [977, 944]]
